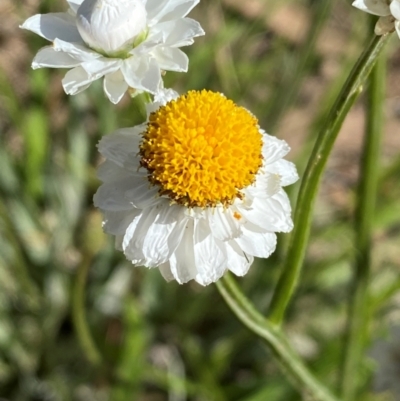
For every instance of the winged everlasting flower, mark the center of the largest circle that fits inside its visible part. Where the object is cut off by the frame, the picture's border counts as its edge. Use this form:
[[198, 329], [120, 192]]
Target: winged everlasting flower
[[128, 42], [388, 10], [197, 190]]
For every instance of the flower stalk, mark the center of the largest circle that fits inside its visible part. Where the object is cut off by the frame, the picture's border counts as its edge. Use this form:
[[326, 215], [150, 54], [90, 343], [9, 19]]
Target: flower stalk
[[313, 174], [357, 328], [290, 362], [79, 318]]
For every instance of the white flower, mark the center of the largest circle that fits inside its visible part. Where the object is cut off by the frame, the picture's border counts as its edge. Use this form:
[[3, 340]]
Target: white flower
[[196, 190], [128, 42], [388, 10]]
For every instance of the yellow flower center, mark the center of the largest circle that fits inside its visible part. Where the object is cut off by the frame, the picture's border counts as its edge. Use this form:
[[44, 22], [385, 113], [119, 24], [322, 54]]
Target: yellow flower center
[[202, 149]]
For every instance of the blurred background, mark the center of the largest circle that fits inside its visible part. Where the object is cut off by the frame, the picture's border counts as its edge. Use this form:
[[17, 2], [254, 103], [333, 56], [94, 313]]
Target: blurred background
[[285, 60]]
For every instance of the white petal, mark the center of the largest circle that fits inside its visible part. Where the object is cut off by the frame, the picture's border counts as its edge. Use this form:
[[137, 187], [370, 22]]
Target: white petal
[[165, 270], [285, 169], [74, 5], [48, 57], [122, 147], [115, 86], [395, 9], [179, 11], [101, 66], [273, 149], [134, 248], [133, 69], [126, 194], [376, 7], [271, 214], [161, 98], [54, 25], [266, 185], [116, 223], [111, 195], [164, 234], [209, 253], [77, 51], [142, 194], [142, 73], [109, 171], [182, 261], [257, 244], [238, 261], [171, 34], [179, 33], [166, 9], [151, 81], [76, 80], [154, 39], [155, 8], [171, 59], [223, 224], [133, 254], [150, 239]]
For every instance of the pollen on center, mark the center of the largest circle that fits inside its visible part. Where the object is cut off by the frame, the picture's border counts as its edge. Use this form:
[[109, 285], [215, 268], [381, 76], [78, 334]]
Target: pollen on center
[[202, 149]]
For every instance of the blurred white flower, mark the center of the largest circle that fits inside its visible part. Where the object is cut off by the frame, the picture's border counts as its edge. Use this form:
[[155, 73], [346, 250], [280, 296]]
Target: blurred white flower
[[128, 42], [196, 190], [388, 10]]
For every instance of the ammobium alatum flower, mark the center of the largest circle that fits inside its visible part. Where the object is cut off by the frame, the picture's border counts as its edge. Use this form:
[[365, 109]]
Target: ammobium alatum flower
[[197, 190], [388, 10], [128, 42]]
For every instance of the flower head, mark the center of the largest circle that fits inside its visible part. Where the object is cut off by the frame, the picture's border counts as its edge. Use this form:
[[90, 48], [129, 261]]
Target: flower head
[[109, 27], [196, 190], [388, 10], [128, 42]]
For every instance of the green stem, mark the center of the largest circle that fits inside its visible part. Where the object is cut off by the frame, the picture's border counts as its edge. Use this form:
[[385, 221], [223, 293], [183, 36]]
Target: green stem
[[312, 177], [79, 316], [357, 327], [304, 380]]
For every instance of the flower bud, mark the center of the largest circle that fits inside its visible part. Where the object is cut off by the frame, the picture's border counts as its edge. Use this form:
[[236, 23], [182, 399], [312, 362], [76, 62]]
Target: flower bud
[[111, 26]]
